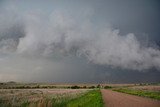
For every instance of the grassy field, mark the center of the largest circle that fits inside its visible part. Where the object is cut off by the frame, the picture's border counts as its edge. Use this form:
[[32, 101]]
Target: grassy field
[[39, 97], [90, 99], [14, 94], [144, 93], [50, 98]]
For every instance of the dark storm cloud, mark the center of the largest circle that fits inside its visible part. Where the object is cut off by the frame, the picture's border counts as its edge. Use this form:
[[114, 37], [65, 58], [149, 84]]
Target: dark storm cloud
[[44, 43]]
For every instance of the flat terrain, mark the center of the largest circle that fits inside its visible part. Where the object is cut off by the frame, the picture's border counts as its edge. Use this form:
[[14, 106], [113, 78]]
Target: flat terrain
[[149, 87], [38, 97], [116, 99]]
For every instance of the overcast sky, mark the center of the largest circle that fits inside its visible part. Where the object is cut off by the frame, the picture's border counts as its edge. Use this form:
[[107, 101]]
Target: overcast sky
[[80, 41]]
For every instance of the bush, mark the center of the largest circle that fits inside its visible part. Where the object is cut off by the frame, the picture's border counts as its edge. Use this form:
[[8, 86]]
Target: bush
[[98, 86], [84, 87], [75, 87], [107, 87], [91, 87]]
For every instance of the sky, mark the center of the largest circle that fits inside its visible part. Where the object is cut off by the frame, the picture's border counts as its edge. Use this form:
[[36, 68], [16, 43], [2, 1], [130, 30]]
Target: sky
[[80, 41]]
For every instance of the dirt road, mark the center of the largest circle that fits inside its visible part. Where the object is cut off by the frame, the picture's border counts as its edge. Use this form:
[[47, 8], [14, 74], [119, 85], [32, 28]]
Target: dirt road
[[116, 99]]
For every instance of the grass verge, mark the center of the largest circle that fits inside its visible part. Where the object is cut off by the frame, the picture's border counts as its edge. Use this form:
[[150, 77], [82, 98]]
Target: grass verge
[[144, 93], [90, 99]]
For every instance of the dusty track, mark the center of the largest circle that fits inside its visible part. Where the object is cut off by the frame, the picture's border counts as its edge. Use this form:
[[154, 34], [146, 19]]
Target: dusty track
[[116, 99]]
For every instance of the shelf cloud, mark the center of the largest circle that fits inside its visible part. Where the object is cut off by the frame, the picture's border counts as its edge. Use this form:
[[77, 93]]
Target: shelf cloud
[[90, 39], [35, 35]]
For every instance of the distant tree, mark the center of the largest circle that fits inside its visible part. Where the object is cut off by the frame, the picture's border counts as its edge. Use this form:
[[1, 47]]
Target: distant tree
[[37, 86], [1, 83], [91, 87], [107, 87], [75, 87], [27, 87], [84, 87], [68, 87], [98, 86]]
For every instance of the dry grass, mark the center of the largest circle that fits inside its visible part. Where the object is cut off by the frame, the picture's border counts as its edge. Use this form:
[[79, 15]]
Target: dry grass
[[149, 87], [36, 97]]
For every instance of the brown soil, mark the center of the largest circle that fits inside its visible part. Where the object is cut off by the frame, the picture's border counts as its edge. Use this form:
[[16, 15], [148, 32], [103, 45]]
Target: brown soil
[[116, 99]]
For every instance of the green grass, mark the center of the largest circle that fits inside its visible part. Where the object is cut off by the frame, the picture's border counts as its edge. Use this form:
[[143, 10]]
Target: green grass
[[90, 99], [25, 104], [149, 94]]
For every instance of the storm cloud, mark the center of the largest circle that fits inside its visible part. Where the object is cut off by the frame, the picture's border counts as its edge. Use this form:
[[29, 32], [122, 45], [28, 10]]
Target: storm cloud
[[61, 34], [64, 34]]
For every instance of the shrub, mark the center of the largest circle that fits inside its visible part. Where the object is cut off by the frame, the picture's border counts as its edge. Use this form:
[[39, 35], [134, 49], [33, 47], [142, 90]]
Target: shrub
[[107, 87], [75, 87], [84, 87], [91, 87], [98, 86]]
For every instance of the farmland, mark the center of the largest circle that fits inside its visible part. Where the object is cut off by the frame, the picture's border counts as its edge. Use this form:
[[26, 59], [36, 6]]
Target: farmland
[[14, 94], [37, 97]]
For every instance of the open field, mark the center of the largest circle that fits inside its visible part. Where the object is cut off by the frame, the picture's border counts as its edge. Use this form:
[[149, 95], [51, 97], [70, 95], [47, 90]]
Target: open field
[[14, 94], [38, 97], [149, 88]]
